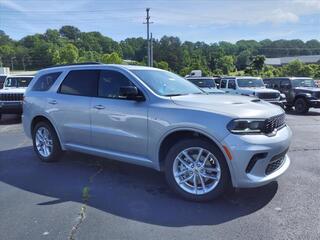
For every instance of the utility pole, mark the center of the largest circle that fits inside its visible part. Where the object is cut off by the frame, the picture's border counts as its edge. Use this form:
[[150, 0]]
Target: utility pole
[[148, 38], [24, 66], [151, 51], [12, 62]]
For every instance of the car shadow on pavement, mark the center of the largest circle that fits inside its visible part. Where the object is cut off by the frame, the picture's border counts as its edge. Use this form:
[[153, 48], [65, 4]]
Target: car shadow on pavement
[[124, 190], [7, 119]]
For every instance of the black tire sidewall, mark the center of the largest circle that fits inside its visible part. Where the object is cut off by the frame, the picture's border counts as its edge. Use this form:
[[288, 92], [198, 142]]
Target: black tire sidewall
[[56, 151], [224, 182], [304, 109]]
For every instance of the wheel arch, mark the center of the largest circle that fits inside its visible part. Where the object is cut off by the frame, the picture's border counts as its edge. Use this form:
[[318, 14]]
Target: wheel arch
[[301, 95], [171, 137], [42, 118]]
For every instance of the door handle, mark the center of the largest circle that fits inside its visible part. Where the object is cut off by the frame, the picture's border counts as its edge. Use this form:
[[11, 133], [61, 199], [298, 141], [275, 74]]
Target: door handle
[[53, 102], [99, 107]]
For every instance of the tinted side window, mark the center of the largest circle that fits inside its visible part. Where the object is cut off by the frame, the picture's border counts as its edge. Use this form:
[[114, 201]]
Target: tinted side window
[[81, 82], [110, 83], [45, 81], [268, 83], [276, 83], [284, 83], [232, 84], [223, 83]]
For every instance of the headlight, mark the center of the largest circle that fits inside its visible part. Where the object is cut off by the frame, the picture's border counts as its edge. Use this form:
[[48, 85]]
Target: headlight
[[282, 96], [308, 95], [246, 126]]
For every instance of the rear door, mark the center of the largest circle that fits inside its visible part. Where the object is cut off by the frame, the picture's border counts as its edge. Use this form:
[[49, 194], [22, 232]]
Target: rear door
[[285, 87], [231, 86], [70, 106], [223, 84], [119, 125]]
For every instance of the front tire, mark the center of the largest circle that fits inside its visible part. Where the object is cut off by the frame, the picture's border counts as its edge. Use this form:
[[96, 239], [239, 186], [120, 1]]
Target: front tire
[[197, 170], [301, 106], [46, 142]]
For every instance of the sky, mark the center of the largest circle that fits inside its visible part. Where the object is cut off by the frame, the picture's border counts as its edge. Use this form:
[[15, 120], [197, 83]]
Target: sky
[[191, 20]]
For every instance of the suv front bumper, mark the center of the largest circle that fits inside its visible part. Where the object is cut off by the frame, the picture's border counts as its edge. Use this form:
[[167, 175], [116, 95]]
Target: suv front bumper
[[315, 103], [258, 159], [10, 107]]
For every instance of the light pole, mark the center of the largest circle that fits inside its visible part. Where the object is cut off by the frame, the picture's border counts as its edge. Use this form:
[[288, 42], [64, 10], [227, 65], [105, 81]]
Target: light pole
[[12, 58]]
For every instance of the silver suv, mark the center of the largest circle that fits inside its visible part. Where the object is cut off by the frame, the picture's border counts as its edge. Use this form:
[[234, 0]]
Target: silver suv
[[154, 118]]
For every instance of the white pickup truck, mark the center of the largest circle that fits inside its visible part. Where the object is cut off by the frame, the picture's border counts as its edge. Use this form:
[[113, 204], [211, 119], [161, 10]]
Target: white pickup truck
[[251, 86], [11, 96]]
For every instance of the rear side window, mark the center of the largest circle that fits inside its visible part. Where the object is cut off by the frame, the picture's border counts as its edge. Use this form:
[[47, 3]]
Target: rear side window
[[223, 83], [81, 83], [110, 84], [45, 82]]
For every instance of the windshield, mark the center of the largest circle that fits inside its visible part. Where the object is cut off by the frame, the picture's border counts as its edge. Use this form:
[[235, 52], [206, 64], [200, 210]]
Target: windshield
[[303, 83], [204, 83], [166, 83], [17, 81], [250, 82]]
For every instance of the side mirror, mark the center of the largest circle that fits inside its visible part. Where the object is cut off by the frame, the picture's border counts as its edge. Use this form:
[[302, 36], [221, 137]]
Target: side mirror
[[130, 93]]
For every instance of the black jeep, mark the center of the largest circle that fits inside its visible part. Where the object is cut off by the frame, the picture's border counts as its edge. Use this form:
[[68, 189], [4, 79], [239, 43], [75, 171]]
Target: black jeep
[[301, 92]]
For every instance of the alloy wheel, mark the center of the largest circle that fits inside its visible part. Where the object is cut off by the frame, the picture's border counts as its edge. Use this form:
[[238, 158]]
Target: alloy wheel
[[44, 142], [196, 170]]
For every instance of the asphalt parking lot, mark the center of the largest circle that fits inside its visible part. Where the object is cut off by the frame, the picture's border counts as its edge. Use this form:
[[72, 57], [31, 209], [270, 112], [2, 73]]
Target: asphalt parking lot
[[83, 197]]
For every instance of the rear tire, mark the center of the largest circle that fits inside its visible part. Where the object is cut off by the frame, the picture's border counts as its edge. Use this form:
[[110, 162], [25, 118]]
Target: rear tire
[[201, 185], [46, 143], [301, 106]]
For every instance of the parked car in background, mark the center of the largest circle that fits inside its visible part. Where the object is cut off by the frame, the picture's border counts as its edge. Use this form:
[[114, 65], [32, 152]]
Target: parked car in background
[[207, 84], [251, 86], [151, 117], [194, 73], [301, 93], [11, 96], [2, 78]]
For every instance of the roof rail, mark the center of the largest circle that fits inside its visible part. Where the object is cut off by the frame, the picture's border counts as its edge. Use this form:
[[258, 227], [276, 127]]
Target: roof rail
[[75, 64]]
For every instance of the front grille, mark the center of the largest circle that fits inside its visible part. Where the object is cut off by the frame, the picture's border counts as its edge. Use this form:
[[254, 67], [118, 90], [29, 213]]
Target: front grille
[[267, 95], [317, 94], [275, 122], [9, 97], [276, 162]]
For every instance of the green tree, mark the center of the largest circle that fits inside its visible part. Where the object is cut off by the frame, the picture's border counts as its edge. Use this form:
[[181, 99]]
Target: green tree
[[226, 64], [68, 54], [257, 62], [163, 65], [243, 59], [185, 71], [111, 58], [70, 32]]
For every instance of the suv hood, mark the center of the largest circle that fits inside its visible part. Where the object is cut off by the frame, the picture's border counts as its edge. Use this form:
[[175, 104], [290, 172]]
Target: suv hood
[[307, 89], [260, 90], [230, 105], [212, 90], [13, 90]]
